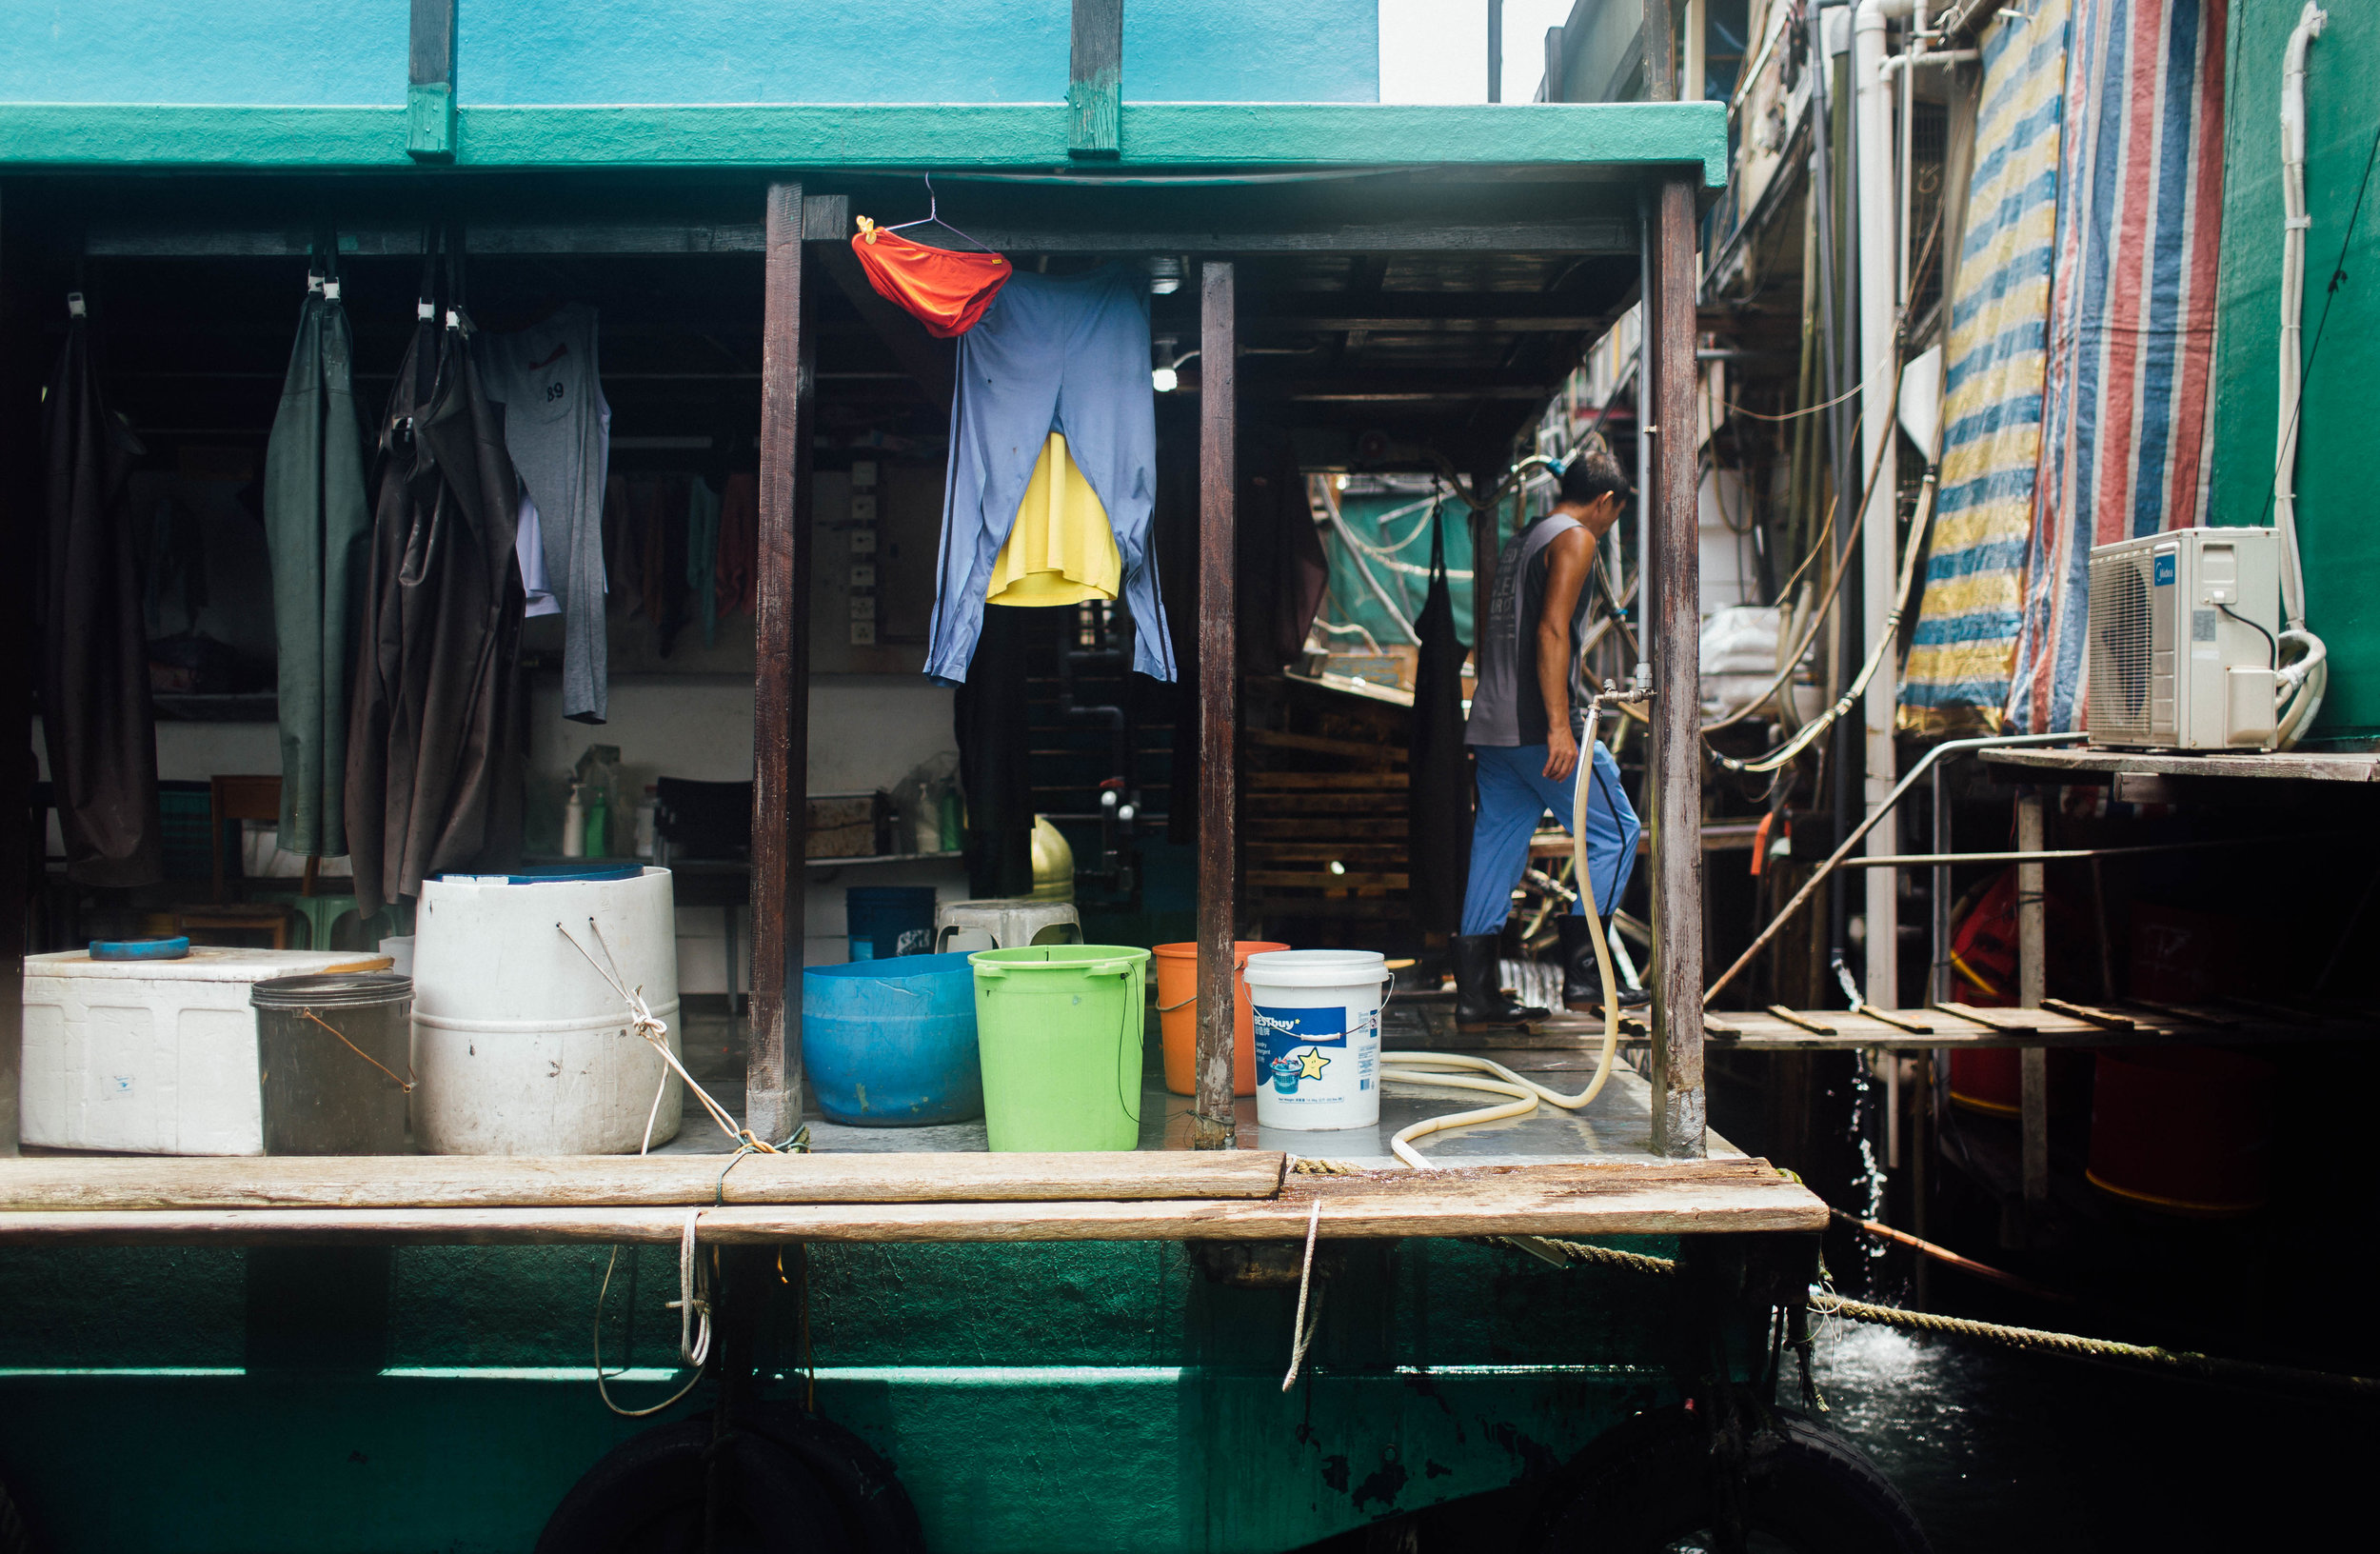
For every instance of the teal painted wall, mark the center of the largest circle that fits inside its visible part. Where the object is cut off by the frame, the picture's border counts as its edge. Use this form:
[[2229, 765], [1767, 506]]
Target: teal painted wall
[[1092, 1396], [510, 52], [2339, 438]]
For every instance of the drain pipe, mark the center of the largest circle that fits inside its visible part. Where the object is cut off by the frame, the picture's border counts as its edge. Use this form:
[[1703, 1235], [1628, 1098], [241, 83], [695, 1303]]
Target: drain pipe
[[1879, 264], [2302, 680]]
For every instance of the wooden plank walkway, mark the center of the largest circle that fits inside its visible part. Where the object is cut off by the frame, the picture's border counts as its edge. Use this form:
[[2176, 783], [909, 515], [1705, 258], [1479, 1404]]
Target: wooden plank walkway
[[1420, 1023], [1734, 1196]]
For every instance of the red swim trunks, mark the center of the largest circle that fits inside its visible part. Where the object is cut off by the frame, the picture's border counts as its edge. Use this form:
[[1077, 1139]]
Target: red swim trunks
[[947, 290]]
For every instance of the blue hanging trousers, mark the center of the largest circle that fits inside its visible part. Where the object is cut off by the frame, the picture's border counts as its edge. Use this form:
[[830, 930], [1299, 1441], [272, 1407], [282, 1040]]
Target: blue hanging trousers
[[1063, 353], [1514, 792]]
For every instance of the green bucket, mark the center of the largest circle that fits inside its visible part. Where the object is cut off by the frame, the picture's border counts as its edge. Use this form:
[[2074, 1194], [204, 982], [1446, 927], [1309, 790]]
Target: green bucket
[[1060, 1027]]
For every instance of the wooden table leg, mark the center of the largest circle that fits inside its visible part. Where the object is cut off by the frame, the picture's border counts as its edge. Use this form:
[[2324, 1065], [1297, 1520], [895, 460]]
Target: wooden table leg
[[2032, 985]]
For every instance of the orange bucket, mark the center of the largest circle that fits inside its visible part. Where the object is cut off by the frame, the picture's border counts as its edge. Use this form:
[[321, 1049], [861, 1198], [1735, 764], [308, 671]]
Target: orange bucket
[[1177, 1014]]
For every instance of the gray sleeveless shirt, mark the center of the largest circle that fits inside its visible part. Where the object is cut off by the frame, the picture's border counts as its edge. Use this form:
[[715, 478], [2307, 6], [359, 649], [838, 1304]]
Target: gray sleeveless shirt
[[1507, 708]]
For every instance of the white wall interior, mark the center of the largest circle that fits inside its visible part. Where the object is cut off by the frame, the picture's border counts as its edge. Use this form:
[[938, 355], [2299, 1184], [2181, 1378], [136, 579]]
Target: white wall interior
[[866, 731]]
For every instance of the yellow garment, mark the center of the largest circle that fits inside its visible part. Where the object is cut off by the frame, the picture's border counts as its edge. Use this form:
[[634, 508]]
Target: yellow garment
[[1062, 549]]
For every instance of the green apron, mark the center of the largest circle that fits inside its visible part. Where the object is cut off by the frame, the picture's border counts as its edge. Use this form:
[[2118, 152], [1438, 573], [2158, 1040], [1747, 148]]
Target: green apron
[[316, 517]]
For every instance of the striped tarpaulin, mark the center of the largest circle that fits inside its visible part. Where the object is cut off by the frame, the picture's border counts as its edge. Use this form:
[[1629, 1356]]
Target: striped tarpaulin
[[1956, 678], [2125, 426]]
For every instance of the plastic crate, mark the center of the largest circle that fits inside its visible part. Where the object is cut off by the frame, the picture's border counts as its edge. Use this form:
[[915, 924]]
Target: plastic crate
[[185, 809]]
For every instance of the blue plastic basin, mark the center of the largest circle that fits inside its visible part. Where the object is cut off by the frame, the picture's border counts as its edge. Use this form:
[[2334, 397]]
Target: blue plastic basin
[[891, 1044]]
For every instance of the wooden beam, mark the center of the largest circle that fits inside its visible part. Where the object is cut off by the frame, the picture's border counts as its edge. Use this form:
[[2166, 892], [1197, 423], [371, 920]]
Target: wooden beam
[[1219, 702], [1733, 1196], [1586, 235], [429, 83], [781, 689], [1095, 85], [1673, 778], [22, 365], [613, 1181]]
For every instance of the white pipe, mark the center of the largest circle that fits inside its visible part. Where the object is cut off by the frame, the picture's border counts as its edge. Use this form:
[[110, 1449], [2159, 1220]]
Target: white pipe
[[1696, 56], [1879, 259], [2303, 681], [1943, 56]]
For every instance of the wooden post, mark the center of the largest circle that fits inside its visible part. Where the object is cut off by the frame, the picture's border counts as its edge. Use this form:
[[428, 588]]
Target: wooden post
[[1659, 32], [429, 83], [2032, 971], [1673, 779], [21, 845], [781, 681], [1095, 87], [1219, 702]]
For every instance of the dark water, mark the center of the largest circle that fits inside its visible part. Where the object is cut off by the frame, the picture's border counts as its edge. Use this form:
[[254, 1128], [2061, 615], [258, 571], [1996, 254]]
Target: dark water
[[2005, 1451]]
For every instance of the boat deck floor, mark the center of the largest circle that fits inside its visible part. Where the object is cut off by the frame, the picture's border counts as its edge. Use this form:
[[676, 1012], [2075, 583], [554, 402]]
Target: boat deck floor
[[1552, 1172], [1616, 1126]]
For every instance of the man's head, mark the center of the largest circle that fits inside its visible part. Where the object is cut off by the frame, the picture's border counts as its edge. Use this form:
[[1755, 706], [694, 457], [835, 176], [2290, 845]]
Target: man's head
[[1592, 491]]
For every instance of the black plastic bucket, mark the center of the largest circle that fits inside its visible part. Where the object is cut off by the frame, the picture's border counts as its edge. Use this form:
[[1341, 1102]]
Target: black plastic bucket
[[335, 1059]]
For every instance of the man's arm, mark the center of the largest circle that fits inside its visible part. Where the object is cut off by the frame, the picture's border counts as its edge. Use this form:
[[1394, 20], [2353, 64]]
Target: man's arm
[[1566, 560]]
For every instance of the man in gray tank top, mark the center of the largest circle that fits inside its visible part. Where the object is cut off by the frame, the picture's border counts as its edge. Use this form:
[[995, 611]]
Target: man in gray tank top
[[1527, 716]]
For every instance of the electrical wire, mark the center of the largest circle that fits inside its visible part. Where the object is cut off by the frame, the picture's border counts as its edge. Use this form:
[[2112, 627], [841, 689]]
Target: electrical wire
[[1887, 638], [2272, 649]]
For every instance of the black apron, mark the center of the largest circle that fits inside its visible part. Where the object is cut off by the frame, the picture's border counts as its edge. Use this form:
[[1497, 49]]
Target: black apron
[[1437, 765], [434, 755], [96, 719]]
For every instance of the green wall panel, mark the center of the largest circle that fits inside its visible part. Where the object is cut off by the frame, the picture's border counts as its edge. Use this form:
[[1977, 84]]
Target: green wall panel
[[2339, 437], [1036, 1397]]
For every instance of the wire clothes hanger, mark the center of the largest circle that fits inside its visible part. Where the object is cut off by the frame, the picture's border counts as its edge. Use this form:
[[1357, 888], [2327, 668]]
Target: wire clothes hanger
[[933, 218]]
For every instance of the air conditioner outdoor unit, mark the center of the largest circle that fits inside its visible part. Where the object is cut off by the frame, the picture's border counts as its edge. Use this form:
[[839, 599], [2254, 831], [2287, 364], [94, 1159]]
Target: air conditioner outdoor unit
[[2182, 632]]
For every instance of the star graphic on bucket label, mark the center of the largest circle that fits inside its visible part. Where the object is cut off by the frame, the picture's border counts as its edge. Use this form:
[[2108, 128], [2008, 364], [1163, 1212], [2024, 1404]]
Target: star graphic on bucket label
[[1311, 1062]]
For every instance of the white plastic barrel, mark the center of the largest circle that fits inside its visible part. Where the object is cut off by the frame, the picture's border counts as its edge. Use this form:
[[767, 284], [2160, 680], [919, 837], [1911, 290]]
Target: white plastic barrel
[[1318, 1037], [520, 1046]]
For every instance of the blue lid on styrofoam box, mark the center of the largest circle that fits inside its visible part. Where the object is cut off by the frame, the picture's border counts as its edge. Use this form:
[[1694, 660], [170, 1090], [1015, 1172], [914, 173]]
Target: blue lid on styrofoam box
[[175, 948]]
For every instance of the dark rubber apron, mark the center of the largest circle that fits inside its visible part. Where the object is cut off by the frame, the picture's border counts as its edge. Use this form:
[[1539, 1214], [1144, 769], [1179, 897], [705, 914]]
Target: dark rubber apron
[[1438, 766], [434, 758], [97, 720]]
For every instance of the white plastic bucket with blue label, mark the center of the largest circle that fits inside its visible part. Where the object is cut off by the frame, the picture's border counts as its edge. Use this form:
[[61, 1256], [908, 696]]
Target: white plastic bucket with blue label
[[1318, 1037]]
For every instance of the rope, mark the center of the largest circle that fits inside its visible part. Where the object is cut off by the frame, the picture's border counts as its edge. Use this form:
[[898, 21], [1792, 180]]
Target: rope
[[1301, 1330], [2175, 1361], [2074, 1345], [656, 1034], [406, 1084]]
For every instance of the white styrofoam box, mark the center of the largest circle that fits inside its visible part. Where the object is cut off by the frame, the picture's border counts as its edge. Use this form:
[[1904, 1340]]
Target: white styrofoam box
[[152, 1057], [519, 1044]]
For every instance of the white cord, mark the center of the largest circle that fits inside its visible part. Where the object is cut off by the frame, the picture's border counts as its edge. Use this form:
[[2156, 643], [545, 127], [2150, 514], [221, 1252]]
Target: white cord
[[693, 1304], [1300, 1334]]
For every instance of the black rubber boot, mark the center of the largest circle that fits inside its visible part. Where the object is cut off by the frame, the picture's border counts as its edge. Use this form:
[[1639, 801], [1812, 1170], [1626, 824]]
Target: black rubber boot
[[1478, 999], [1582, 982]]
